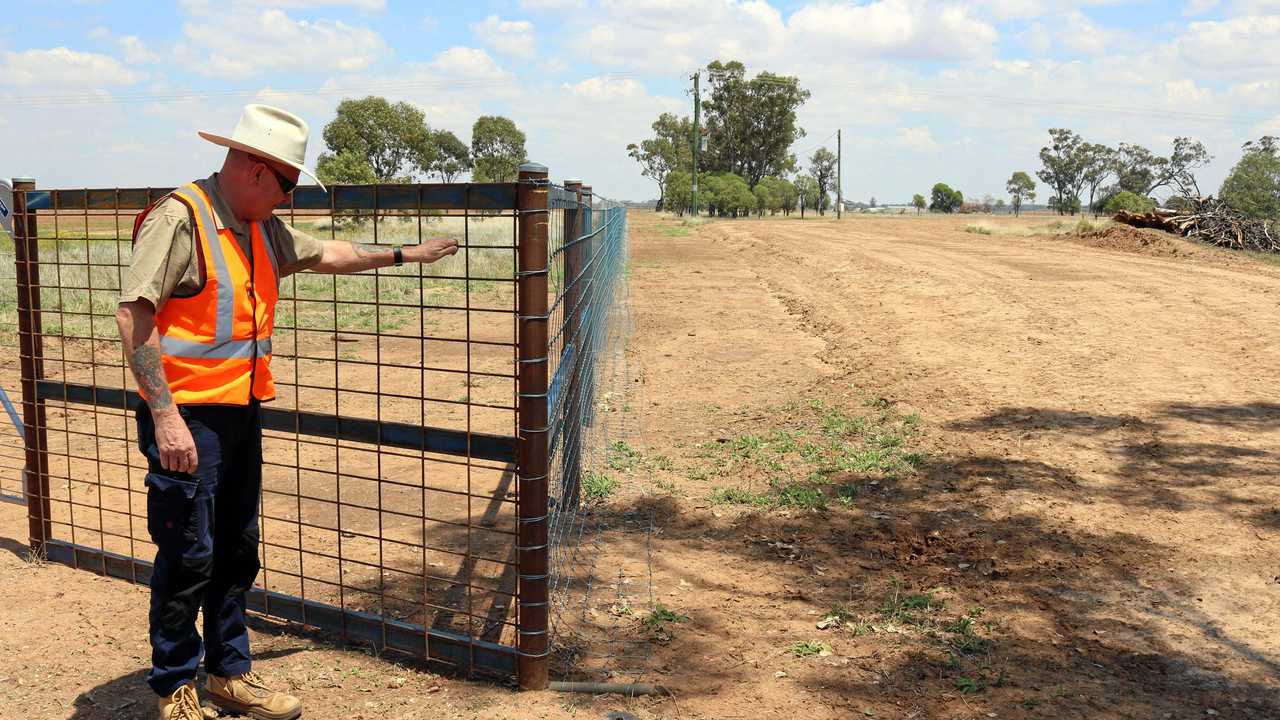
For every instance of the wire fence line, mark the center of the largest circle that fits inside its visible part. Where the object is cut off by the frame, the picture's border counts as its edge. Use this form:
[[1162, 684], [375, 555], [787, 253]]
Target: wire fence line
[[599, 590], [424, 457]]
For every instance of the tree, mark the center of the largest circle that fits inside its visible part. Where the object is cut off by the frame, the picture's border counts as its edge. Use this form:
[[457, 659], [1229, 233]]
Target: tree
[[1141, 172], [1135, 168], [782, 194], [873, 201], [1098, 162], [1019, 186], [1188, 155], [807, 193], [497, 149], [677, 191], [988, 203], [391, 139], [451, 159], [733, 196], [1001, 205], [345, 168], [1131, 202], [822, 166], [1064, 161], [919, 202], [751, 124], [764, 193], [1253, 185], [670, 148], [944, 199], [1064, 205]]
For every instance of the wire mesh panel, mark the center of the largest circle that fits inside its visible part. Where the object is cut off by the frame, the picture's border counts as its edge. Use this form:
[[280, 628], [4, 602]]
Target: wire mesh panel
[[391, 489], [11, 447], [589, 325]]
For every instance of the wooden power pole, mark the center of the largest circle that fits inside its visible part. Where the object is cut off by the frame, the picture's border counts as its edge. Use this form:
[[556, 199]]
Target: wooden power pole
[[839, 166]]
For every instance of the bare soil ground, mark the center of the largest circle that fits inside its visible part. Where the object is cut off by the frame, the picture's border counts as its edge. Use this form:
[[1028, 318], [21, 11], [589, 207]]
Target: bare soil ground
[[1046, 486]]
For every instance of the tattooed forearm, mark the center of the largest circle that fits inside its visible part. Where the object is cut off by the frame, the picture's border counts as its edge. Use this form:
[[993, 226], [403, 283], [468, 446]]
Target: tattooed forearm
[[148, 370], [365, 251]]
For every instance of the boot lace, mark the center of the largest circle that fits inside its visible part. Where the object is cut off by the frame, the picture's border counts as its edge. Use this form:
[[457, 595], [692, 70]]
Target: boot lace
[[186, 706], [253, 679]]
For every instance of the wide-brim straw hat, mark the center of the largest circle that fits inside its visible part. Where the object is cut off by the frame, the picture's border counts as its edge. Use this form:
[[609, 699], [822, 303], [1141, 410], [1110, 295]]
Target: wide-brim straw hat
[[272, 133]]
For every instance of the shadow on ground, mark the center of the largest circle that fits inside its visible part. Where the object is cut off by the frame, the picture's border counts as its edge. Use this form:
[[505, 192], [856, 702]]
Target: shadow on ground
[[1091, 636]]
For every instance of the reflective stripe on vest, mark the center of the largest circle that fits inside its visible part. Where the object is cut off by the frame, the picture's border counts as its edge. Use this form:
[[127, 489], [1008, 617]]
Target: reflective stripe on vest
[[218, 350], [208, 233]]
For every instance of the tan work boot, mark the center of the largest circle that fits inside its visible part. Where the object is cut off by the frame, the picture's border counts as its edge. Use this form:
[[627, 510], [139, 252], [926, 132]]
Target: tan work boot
[[248, 695], [183, 704]]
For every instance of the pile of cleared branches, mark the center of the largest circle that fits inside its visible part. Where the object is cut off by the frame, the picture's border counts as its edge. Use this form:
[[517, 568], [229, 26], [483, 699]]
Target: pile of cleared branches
[[1209, 221]]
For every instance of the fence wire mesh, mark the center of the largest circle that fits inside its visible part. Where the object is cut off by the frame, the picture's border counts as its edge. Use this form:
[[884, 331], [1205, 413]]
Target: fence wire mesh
[[11, 447], [601, 558]]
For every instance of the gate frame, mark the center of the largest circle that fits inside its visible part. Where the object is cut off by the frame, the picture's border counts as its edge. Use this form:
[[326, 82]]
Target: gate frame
[[529, 659]]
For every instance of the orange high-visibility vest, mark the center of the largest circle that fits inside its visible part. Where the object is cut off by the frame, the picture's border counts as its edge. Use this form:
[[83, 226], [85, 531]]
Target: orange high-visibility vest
[[216, 345]]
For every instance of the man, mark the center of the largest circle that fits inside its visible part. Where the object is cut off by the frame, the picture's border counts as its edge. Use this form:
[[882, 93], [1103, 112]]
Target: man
[[195, 318]]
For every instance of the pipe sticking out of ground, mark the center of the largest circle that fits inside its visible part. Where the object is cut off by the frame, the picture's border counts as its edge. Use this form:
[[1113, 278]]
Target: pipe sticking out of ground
[[599, 688]]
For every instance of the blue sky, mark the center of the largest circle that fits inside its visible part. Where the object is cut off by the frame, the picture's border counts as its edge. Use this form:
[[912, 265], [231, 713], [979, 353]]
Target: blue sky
[[111, 93]]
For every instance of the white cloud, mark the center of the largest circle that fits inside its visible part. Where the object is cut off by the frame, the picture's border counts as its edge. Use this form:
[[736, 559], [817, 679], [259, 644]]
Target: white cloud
[[674, 37], [605, 88], [466, 63], [365, 5], [1199, 7], [1258, 92], [551, 4], [1256, 7], [1184, 92], [917, 139], [1241, 42], [509, 37], [1002, 10], [1037, 38], [63, 68], [911, 29], [239, 44], [135, 52], [1079, 35]]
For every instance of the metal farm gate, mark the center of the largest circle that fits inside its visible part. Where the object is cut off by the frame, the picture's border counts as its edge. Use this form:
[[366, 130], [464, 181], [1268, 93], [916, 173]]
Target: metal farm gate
[[423, 456]]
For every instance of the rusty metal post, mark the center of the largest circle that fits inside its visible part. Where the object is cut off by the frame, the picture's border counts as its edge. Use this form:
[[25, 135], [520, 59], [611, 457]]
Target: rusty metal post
[[571, 433], [35, 476], [533, 643]]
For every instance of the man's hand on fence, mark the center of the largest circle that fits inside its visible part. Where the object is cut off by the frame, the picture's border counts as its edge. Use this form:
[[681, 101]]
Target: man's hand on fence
[[431, 250], [173, 439]]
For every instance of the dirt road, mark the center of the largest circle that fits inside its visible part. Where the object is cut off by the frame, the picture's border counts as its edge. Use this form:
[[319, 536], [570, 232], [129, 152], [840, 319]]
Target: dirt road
[[1053, 490]]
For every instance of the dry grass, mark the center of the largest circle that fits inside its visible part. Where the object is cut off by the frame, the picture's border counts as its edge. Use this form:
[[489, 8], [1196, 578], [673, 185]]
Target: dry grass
[[83, 265], [1054, 227]]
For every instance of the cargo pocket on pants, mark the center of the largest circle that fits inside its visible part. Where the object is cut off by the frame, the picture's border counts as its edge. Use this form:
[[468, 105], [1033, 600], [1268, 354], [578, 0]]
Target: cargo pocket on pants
[[171, 511]]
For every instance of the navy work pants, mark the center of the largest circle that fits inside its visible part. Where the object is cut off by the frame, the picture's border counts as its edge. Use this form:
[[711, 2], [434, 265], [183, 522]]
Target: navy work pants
[[205, 526]]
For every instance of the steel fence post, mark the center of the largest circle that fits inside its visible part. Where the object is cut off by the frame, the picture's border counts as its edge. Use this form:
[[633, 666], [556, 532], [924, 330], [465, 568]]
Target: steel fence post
[[571, 433], [590, 261], [532, 626], [35, 476]]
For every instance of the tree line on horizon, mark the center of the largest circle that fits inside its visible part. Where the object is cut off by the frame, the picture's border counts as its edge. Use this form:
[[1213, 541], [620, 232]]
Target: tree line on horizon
[[1129, 176]]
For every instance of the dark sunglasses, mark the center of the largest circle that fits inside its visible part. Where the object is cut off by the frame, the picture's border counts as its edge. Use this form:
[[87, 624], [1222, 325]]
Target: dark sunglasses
[[286, 185]]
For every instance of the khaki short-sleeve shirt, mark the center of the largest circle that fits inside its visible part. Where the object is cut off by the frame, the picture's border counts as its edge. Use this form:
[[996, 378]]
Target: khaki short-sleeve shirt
[[164, 261]]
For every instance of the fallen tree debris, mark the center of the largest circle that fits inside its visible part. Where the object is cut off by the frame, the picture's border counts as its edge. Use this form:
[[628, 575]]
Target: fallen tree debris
[[1210, 221]]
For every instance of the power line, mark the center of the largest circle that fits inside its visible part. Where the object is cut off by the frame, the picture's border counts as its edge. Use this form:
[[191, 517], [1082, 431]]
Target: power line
[[968, 98], [363, 89], [818, 144]]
